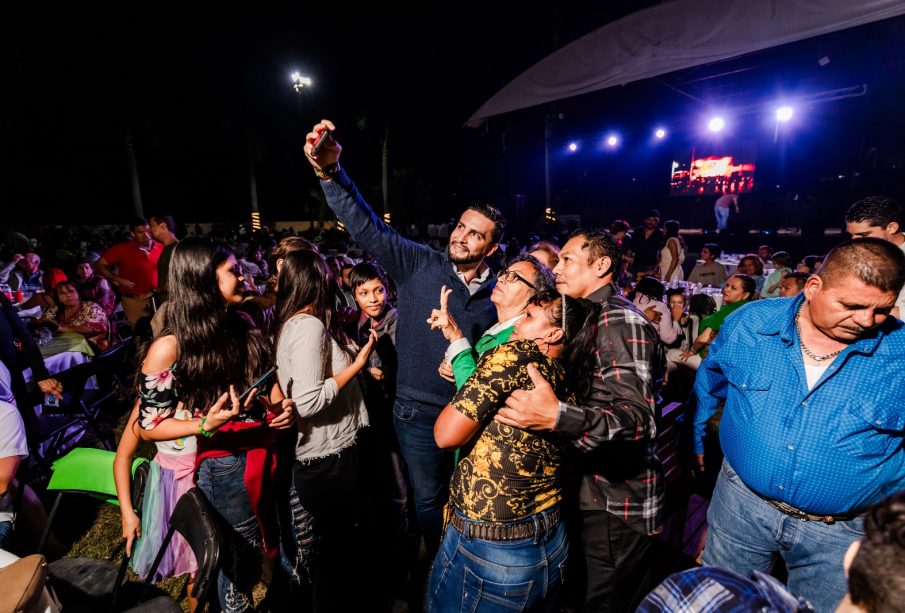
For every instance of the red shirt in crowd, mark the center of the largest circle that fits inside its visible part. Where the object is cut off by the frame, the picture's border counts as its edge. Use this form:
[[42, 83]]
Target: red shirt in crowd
[[135, 264]]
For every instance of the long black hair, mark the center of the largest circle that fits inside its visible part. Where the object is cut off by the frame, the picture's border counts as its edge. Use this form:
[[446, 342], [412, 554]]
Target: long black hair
[[306, 283], [217, 348], [578, 319]]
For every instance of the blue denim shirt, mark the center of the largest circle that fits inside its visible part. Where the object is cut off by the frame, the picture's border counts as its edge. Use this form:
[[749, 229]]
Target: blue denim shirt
[[829, 450]]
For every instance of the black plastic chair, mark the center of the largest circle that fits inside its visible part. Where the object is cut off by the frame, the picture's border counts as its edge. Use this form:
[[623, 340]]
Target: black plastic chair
[[49, 434], [108, 368], [88, 584]]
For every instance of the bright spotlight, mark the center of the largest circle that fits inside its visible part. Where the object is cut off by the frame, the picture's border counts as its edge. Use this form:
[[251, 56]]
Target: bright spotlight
[[612, 140], [784, 113], [660, 133], [716, 124], [573, 147]]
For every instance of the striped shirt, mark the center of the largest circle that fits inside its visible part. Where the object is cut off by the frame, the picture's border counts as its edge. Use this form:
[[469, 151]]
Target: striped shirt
[[615, 426]]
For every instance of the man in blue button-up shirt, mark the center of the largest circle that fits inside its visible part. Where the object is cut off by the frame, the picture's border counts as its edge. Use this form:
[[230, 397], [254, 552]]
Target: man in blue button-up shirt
[[812, 426]]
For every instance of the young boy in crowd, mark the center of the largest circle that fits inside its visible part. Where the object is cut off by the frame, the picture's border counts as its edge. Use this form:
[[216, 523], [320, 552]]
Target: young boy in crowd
[[373, 294]]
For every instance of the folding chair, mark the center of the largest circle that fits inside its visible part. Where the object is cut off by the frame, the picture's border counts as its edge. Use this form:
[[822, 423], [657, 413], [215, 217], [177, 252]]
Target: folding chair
[[90, 584], [108, 368], [52, 432]]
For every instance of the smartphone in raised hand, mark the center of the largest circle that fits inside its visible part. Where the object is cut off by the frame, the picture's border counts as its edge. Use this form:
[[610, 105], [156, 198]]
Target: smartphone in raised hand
[[316, 148], [257, 384]]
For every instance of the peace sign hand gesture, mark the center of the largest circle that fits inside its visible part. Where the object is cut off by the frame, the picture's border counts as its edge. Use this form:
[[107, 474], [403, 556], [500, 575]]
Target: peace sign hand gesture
[[440, 318]]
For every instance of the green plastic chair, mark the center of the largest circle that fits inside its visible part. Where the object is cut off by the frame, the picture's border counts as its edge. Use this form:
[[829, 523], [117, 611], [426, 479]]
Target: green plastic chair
[[89, 471]]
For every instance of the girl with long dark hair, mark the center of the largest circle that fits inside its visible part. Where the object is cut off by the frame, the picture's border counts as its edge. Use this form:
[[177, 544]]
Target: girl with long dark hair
[[190, 382], [317, 370], [505, 543]]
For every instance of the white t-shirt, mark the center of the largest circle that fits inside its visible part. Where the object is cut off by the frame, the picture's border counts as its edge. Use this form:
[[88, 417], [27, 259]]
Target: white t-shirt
[[813, 372], [12, 443]]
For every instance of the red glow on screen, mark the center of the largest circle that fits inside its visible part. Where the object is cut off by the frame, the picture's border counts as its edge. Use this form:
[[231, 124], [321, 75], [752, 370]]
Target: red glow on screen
[[713, 174]]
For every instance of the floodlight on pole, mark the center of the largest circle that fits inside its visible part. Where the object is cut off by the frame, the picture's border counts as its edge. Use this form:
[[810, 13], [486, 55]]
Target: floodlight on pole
[[299, 81]]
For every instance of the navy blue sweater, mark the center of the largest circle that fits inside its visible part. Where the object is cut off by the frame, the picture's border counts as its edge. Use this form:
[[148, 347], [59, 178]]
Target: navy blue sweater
[[419, 272]]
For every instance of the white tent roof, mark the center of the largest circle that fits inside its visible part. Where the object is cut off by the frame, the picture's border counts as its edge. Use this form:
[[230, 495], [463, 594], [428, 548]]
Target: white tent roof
[[676, 35]]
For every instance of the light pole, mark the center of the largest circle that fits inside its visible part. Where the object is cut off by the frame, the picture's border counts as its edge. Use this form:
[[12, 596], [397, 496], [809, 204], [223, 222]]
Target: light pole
[[299, 82]]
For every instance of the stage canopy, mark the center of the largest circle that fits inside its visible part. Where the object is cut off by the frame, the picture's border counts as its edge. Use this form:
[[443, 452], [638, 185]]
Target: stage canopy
[[673, 36]]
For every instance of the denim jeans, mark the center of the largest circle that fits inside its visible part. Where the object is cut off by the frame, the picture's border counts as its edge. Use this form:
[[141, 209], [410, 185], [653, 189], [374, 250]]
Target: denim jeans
[[329, 488], [471, 574], [223, 482], [722, 217], [744, 533], [429, 467], [6, 534]]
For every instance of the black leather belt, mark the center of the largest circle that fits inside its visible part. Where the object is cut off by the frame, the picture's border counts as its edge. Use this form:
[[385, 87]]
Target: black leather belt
[[802, 515], [486, 531]]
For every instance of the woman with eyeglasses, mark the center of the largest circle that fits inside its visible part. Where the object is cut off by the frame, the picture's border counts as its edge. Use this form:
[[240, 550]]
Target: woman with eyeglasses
[[505, 546], [516, 285]]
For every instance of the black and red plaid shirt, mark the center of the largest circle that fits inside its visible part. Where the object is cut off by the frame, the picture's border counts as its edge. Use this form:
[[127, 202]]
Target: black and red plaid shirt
[[616, 431]]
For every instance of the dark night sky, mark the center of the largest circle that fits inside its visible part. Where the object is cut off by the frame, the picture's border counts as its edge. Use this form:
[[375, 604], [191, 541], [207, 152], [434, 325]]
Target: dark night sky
[[198, 89]]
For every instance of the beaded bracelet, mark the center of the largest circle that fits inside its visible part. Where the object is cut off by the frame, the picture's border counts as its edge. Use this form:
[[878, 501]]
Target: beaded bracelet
[[202, 431]]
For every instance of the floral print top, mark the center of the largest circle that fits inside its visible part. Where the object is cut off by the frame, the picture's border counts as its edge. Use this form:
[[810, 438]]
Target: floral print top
[[159, 400], [505, 473]]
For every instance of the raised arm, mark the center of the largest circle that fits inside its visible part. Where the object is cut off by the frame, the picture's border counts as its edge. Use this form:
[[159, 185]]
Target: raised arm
[[461, 356], [400, 256]]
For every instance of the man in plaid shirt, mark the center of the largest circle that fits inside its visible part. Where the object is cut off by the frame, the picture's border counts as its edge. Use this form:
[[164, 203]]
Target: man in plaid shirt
[[621, 496]]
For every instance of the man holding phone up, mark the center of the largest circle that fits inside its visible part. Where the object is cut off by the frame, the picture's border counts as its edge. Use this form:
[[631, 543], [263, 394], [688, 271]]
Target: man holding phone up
[[419, 272]]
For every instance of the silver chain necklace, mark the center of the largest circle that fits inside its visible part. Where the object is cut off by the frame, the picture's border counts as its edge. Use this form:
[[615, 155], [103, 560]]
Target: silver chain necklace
[[808, 352]]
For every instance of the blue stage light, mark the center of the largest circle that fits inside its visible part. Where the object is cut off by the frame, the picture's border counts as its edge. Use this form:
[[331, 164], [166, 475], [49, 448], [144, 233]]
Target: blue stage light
[[660, 133], [784, 113], [716, 124]]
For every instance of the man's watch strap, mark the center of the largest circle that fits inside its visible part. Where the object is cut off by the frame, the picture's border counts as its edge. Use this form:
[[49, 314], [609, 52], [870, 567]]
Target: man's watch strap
[[327, 172]]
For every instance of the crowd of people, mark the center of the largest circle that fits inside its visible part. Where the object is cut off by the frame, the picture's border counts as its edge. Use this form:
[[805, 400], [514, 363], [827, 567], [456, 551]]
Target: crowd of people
[[500, 409]]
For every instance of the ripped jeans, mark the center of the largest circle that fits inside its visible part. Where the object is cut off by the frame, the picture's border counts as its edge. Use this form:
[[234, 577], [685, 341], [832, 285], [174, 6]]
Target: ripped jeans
[[223, 482]]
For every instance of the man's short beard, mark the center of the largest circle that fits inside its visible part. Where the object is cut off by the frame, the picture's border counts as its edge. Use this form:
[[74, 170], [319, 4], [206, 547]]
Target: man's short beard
[[469, 258]]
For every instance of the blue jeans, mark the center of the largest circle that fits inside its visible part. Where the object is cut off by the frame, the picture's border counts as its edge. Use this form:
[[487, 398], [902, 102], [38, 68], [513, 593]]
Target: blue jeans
[[223, 482], [722, 217], [429, 467], [745, 533], [487, 576], [6, 534]]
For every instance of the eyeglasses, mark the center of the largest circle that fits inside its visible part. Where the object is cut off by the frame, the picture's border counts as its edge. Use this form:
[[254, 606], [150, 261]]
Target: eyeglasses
[[510, 276]]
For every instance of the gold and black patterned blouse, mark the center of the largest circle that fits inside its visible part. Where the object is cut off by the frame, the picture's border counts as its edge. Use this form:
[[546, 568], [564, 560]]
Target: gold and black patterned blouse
[[505, 473]]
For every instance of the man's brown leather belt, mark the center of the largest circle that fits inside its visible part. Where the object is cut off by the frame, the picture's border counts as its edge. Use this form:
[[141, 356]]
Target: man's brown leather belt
[[505, 532], [799, 514]]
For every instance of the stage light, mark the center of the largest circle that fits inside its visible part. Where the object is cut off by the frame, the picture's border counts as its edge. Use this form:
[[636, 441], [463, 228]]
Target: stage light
[[784, 113], [660, 133], [612, 140], [573, 147], [716, 124]]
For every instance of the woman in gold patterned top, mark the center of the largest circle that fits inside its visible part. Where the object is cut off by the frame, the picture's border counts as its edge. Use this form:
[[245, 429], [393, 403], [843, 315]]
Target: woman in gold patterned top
[[504, 544]]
